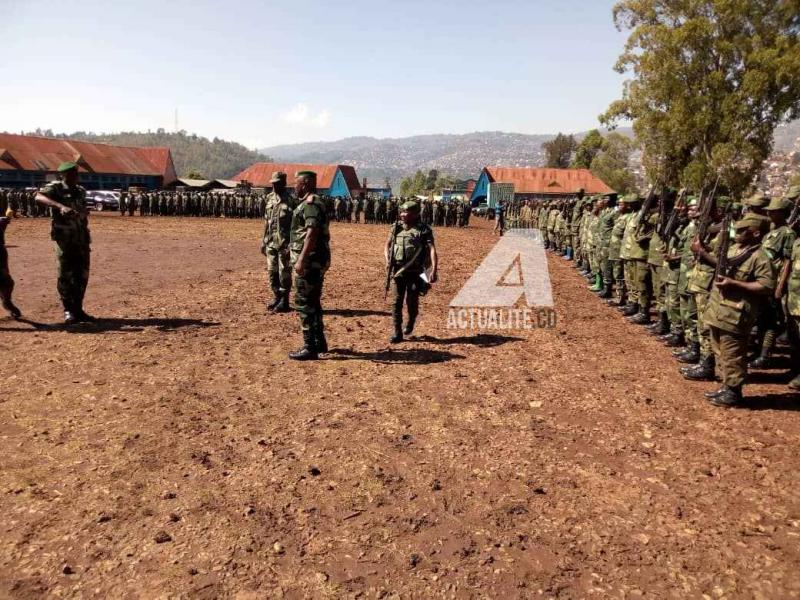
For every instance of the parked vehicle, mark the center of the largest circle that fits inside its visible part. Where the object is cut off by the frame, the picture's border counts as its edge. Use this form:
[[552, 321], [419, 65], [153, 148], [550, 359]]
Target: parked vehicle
[[102, 200]]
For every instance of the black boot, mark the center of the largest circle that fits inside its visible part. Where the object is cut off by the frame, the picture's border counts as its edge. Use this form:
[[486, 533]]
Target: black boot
[[607, 291], [83, 317], [729, 398], [642, 317], [283, 303], [409, 329], [762, 362], [321, 342], [691, 356], [309, 349], [397, 337], [631, 309], [12, 308], [704, 371], [716, 393], [675, 340], [277, 300], [662, 326]]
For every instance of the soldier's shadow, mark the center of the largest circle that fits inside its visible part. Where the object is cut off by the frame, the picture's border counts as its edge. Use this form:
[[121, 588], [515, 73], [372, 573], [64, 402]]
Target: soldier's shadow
[[356, 312], [789, 401], [400, 356], [482, 340], [112, 324]]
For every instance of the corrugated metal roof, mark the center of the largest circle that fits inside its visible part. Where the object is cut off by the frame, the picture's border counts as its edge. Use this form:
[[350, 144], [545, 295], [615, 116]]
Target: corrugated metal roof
[[548, 181], [259, 174], [31, 153]]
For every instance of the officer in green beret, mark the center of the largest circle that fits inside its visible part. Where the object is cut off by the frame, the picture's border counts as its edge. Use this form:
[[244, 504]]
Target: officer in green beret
[[736, 298], [70, 232], [310, 250], [757, 203], [409, 250], [275, 242]]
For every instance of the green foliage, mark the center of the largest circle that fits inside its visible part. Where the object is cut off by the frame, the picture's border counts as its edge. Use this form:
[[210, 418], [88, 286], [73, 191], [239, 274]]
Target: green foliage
[[216, 158], [559, 151], [193, 174], [420, 183], [712, 79], [589, 147], [611, 163]]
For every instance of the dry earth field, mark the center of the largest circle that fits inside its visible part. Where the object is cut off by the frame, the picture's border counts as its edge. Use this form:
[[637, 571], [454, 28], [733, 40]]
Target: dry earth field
[[173, 451]]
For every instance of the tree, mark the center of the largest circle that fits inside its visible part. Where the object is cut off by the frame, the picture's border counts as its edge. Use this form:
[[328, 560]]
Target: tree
[[611, 164], [194, 174], [712, 79], [589, 147], [430, 181], [559, 151]]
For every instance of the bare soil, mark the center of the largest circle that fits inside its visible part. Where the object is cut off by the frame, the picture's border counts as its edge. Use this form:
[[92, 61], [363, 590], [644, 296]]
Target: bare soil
[[173, 450]]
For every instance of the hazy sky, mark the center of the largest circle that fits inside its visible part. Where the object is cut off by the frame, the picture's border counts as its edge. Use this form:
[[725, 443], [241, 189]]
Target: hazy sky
[[265, 73]]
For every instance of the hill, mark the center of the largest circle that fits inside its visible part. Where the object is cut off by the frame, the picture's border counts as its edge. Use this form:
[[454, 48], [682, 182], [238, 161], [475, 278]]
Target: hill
[[214, 159]]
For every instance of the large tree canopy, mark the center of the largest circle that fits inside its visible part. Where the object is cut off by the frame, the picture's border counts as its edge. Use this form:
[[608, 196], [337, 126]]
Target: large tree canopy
[[711, 81]]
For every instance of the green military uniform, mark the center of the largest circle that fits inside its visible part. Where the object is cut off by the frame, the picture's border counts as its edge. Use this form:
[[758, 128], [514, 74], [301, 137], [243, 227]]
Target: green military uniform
[[277, 231], [73, 243], [615, 262], [688, 306], [6, 282], [634, 253], [658, 274], [605, 228], [731, 313], [409, 254], [793, 312], [311, 213]]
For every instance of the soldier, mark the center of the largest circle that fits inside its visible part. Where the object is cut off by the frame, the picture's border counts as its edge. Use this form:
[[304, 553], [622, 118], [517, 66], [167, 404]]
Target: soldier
[[409, 249], [6, 282], [616, 267], [605, 229], [793, 313], [275, 242], [734, 303], [70, 231], [500, 219], [310, 259], [778, 245]]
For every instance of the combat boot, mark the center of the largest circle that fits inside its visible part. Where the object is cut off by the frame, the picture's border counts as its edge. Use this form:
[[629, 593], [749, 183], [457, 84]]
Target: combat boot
[[716, 393], [691, 355], [277, 300], [703, 371], [397, 337], [728, 398], [761, 362], [409, 329], [631, 309], [641, 318], [70, 318], [607, 292], [795, 383], [283, 304], [661, 327], [12, 308], [83, 317], [675, 340], [309, 349]]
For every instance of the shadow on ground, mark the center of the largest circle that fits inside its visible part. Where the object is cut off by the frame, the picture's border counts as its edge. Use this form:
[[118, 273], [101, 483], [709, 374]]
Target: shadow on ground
[[107, 325], [415, 356], [482, 340], [355, 312]]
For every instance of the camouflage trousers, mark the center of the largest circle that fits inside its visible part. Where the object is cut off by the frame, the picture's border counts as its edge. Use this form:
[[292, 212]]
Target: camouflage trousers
[[405, 290], [658, 277], [279, 271], [74, 262], [308, 301], [793, 333], [629, 268], [642, 284], [688, 309], [672, 303], [703, 331], [730, 350]]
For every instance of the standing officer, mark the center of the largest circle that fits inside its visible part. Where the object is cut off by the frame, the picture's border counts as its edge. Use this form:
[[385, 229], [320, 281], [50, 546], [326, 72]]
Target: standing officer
[[409, 248], [6, 282], [70, 231], [310, 259], [275, 243]]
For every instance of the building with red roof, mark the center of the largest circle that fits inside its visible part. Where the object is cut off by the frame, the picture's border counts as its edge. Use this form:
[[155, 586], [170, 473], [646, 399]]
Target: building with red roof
[[539, 184], [332, 180], [30, 161]]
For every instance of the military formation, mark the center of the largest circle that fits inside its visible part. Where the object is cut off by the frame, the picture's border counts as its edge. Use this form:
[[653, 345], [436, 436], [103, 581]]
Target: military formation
[[721, 278], [22, 203]]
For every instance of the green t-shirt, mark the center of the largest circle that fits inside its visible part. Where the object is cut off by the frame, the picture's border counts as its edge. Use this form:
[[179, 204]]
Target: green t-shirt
[[310, 213]]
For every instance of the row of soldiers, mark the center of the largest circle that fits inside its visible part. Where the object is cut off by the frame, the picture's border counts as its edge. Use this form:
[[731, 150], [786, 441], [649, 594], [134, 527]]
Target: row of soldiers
[[722, 277], [21, 202]]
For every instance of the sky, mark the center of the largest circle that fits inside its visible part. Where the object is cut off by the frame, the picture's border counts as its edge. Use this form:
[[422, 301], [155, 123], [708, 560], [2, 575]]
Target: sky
[[267, 73]]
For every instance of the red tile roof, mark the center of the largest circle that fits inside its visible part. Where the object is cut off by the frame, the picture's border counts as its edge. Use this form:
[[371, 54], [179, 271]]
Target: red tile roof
[[31, 153], [548, 181], [259, 174]]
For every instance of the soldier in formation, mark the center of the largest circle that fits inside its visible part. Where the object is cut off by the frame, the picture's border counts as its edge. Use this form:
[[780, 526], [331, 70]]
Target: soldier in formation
[[722, 278], [21, 203], [275, 242]]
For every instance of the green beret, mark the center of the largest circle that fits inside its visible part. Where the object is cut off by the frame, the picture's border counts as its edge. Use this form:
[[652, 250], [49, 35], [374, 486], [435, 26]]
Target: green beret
[[691, 201], [278, 176], [793, 192], [67, 166], [629, 199], [410, 205], [306, 174], [780, 204], [760, 222], [757, 200]]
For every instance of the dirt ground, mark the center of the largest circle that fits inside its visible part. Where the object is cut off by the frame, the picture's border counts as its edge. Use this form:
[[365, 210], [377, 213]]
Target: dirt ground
[[174, 451]]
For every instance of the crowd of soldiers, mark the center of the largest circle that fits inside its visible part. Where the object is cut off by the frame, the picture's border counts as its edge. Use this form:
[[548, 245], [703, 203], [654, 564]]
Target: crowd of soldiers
[[21, 202], [722, 277]]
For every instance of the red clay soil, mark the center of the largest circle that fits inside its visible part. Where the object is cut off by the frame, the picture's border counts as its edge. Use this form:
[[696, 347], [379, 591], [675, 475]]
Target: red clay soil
[[174, 451]]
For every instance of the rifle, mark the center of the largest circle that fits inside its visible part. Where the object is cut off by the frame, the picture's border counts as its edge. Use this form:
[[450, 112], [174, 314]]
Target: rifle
[[391, 266], [669, 228], [721, 269], [794, 220], [704, 220], [646, 208]]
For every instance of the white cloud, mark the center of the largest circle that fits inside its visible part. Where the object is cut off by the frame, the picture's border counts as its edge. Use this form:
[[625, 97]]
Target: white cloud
[[301, 115]]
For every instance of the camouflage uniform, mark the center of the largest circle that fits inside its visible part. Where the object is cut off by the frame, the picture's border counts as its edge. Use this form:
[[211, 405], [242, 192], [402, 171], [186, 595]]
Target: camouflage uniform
[[6, 282], [73, 243], [277, 230], [793, 311], [311, 213], [409, 243]]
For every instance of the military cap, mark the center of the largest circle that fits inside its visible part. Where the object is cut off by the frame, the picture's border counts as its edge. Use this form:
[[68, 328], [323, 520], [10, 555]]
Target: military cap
[[410, 205], [278, 176], [722, 201], [757, 200], [780, 204], [67, 166], [760, 222], [691, 201], [793, 192], [306, 174]]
